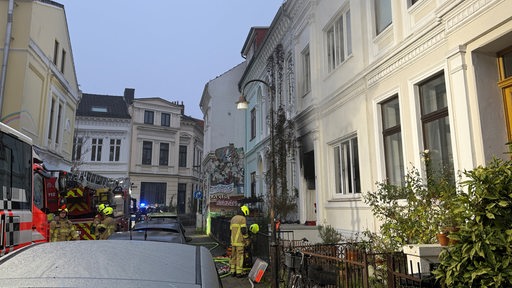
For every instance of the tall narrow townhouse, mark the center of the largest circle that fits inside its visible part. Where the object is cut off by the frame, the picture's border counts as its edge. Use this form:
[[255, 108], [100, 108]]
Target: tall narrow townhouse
[[38, 87], [269, 86], [166, 153], [103, 134], [392, 79]]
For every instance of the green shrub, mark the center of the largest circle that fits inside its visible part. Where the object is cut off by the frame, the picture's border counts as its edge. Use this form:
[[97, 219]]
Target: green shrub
[[414, 212], [329, 235], [482, 253]]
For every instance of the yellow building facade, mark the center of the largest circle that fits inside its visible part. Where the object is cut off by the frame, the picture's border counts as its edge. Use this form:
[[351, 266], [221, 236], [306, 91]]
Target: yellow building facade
[[39, 93]]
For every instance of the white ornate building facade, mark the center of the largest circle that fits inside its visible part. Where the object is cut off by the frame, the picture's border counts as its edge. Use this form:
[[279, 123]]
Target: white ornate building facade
[[371, 84]]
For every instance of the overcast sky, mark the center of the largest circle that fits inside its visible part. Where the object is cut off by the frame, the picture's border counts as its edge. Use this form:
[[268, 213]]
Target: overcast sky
[[161, 48]]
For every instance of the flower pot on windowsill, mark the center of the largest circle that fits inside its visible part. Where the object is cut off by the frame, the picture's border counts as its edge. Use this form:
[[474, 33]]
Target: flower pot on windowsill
[[443, 239]]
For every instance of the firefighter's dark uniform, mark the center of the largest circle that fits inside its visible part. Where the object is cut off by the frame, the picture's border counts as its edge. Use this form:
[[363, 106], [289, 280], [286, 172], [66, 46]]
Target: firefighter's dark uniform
[[238, 229]]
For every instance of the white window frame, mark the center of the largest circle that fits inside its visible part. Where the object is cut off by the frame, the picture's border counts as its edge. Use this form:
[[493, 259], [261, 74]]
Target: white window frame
[[306, 71], [393, 155], [338, 39], [114, 150], [96, 149], [347, 176]]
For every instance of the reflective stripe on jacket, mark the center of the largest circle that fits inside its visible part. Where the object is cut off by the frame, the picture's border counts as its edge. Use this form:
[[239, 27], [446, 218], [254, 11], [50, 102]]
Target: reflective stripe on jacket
[[62, 230], [238, 234]]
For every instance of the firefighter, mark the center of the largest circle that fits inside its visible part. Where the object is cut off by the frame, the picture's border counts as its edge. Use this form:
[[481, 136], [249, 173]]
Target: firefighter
[[97, 218], [106, 225], [249, 247], [239, 234], [61, 228]]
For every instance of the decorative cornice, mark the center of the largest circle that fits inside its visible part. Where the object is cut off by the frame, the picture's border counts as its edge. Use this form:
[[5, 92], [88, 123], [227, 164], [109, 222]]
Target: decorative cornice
[[465, 14], [400, 60]]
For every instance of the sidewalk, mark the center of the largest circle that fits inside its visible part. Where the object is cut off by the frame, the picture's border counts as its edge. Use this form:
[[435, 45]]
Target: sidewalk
[[218, 251]]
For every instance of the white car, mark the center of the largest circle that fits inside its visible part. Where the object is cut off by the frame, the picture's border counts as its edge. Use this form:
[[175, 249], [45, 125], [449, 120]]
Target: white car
[[105, 263]]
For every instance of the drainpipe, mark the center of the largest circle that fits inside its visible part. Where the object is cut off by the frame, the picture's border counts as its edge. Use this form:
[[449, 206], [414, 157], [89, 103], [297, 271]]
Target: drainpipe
[[8, 32]]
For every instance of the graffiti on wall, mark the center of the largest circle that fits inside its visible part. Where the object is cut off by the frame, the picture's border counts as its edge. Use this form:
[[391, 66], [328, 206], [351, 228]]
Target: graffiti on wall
[[226, 178]]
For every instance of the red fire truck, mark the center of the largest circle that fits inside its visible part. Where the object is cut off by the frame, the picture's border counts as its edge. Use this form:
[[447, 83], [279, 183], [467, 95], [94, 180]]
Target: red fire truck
[[22, 222], [83, 192]]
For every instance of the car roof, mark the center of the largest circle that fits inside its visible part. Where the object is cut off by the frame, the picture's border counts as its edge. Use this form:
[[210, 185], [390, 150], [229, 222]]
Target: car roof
[[163, 215], [171, 236], [157, 225], [105, 263]]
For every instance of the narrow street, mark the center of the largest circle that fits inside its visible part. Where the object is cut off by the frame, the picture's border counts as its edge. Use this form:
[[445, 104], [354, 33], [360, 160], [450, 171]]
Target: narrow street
[[218, 251]]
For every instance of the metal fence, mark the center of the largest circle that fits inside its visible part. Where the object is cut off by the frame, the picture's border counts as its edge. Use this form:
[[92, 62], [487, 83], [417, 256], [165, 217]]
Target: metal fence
[[343, 265], [347, 265]]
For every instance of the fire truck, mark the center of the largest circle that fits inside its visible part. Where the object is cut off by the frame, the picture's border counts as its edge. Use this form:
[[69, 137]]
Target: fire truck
[[82, 192], [22, 221]]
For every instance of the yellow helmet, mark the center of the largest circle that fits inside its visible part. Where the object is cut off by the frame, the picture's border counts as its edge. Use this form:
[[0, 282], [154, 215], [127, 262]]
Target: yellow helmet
[[254, 228], [108, 211], [63, 210], [101, 207], [245, 210]]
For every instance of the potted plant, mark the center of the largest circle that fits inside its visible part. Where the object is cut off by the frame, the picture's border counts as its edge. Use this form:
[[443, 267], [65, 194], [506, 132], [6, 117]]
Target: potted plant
[[482, 254]]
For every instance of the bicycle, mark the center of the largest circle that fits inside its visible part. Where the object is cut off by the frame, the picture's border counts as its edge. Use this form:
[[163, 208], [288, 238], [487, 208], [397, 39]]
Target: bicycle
[[297, 270]]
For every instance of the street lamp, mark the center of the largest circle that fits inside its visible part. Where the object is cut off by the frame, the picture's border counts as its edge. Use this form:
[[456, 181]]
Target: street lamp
[[242, 104]]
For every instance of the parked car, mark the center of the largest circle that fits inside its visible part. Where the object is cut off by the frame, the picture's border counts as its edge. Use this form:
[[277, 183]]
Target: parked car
[[109, 264], [163, 217], [154, 231]]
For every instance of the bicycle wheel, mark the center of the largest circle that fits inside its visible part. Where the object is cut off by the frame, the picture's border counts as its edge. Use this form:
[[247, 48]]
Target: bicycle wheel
[[296, 281]]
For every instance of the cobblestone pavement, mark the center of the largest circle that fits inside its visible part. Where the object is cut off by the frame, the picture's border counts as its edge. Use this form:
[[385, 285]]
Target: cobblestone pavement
[[218, 251]]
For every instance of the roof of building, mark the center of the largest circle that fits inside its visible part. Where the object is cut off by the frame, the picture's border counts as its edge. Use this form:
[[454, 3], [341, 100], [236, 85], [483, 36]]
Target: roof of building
[[105, 106]]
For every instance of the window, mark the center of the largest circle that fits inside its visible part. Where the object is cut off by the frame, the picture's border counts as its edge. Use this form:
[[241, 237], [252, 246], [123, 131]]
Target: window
[[253, 184], [182, 156], [149, 117], [77, 149], [382, 15], [97, 143], [166, 119], [55, 52], [182, 196], [435, 123], [50, 127], [346, 167], [63, 60], [412, 2], [306, 71], [164, 154], [115, 150], [392, 138], [339, 44], [153, 193], [100, 109], [253, 123], [147, 150], [59, 115]]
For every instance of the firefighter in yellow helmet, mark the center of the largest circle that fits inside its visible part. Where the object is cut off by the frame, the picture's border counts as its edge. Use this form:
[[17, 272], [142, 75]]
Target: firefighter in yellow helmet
[[61, 228], [106, 225], [249, 247], [239, 234]]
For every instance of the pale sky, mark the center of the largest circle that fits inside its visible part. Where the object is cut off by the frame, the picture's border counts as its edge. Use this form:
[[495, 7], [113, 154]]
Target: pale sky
[[161, 48]]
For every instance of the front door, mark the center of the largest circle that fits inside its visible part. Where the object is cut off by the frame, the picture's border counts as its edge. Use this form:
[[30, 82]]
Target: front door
[[505, 84]]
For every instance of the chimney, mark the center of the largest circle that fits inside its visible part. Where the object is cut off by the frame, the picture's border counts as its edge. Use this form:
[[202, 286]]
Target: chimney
[[129, 94]]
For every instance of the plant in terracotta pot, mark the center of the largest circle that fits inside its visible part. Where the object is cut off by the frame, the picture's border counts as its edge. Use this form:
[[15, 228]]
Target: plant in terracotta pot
[[415, 211], [446, 212]]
